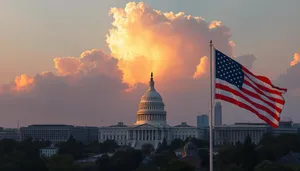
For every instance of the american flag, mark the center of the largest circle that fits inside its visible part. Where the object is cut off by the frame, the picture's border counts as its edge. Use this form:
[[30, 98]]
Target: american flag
[[237, 85]]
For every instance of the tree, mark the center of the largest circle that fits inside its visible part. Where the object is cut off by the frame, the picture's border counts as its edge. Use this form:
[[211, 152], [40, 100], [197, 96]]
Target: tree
[[103, 163], [248, 155], [61, 163], [162, 159], [234, 167], [147, 168], [72, 147], [147, 149], [93, 148], [126, 160], [178, 165], [176, 143], [108, 146], [7, 146], [204, 155], [269, 166], [163, 146]]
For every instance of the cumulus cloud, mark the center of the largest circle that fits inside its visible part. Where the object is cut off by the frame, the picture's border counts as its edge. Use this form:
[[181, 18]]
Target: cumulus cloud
[[296, 59], [291, 78], [84, 91], [145, 40]]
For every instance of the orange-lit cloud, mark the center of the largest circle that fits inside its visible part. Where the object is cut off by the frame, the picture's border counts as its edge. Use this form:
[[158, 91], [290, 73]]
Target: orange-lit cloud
[[296, 59], [23, 83], [202, 67], [146, 40]]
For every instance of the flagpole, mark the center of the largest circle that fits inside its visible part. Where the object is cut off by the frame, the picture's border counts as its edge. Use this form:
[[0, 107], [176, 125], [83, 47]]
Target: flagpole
[[211, 109]]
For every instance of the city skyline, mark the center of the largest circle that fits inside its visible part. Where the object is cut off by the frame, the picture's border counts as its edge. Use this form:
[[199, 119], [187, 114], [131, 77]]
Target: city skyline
[[98, 76]]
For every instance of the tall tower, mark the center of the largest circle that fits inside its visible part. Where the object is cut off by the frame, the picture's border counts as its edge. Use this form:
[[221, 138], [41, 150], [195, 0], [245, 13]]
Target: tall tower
[[218, 114], [151, 108]]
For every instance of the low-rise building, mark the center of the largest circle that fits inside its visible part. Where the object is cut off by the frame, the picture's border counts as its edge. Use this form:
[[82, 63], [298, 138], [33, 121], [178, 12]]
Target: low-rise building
[[59, 133], [48, 151], [9, 133]]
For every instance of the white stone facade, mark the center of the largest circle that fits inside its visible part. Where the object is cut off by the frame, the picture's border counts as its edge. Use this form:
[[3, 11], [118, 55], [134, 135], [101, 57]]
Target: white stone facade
[[48, 152], [151, 126]]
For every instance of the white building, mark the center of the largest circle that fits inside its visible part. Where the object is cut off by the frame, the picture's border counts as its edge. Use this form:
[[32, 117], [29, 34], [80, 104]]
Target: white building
[[232, 134], [150, 126], [48, 151]]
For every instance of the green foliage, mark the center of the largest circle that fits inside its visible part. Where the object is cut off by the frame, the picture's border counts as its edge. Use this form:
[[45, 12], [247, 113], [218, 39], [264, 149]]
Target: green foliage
[[176, 143], [234, 167], [162, 159], [103, 163], [21, 156], [269, 166], [147, 149], [72, 147], [163, 146], [178, 165], [147, 168], [122, 160], [204, 156], [62, 163]]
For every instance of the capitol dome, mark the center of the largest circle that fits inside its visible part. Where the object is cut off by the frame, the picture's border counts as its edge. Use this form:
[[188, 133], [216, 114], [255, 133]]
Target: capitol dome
[[151, 107]]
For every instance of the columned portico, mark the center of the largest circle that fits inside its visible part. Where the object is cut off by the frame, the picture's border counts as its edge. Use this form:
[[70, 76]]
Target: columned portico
[[150, 127]]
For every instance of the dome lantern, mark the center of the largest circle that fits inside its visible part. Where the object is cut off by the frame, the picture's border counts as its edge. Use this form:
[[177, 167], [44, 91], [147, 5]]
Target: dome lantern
[[151, 107]]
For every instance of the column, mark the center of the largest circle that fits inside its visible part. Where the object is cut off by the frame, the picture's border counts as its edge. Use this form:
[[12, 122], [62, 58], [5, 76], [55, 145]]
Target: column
[[152, 133]]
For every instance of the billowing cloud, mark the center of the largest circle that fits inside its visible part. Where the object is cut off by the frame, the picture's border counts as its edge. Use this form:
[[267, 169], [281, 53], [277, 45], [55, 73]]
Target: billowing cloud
[[296, 59], [291, 78], [99, 88], [145, 40], [202, 67]]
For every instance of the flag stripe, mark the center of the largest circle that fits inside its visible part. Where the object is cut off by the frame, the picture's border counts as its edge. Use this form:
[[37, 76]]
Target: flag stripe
[[264, 81], [253, 101], [276, 106], [262, 87], [270, 121], [278, 101], [273, 97]]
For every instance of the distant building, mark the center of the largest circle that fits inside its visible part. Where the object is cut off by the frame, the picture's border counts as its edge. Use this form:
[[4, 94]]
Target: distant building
[[48, 151], [9, 133], [202, 121], [218, 114], [232, 134], [59, 133], [151, 124]]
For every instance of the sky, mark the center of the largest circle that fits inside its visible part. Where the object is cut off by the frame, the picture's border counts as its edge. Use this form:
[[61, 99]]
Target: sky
[[72, 62]]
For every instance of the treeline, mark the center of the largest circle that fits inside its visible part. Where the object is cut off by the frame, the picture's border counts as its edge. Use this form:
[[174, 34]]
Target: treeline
[[24, 156], [262, 157]]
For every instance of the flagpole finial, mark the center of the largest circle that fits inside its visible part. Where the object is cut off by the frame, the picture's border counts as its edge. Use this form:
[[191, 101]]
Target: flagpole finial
[[210, 42]]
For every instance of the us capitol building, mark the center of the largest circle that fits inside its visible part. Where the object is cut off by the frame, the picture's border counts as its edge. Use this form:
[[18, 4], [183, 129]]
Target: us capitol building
[[151, 124]]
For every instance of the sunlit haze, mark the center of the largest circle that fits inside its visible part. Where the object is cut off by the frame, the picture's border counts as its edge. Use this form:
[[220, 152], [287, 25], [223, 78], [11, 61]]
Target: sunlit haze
[[88, 63]]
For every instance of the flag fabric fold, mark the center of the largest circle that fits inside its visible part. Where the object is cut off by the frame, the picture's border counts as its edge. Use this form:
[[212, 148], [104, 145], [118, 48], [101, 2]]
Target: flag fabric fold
[[237, 85]]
